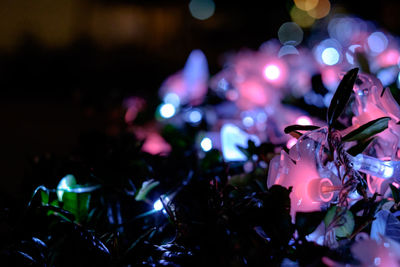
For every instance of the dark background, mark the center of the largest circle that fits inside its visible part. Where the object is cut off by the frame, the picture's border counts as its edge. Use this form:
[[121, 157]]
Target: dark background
[[66, 65]]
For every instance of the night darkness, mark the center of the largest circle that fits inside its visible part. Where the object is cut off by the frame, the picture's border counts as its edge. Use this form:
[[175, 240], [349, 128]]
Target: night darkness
[[67, 66]]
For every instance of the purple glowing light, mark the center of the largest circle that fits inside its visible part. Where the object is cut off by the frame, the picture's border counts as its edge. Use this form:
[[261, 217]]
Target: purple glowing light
[[377, 42]]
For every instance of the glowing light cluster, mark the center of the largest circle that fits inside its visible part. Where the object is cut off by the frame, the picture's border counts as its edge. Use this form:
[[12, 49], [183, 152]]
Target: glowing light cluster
[[306, 5], [305, 12]]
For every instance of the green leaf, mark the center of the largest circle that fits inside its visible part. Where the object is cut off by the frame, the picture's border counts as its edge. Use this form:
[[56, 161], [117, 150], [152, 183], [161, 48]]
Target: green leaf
[[239, 180], [147, 186], [45, 197], [307, 222], [367, 130], [345, 225], [341, 96], [77, 204], [359, 147], [75, 197], [395, 193]]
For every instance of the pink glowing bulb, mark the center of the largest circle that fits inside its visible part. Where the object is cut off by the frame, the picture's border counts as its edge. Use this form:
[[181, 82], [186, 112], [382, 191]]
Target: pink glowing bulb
[[304, 120], [309, 190], [154, 144], [254, 93], [272, 72], [388, 58]]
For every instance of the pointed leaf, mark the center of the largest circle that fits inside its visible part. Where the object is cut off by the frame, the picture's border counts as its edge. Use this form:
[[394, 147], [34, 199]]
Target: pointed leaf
[[359, 147], [147, 186], [367, 130], [341, 96], [296, 127], [395, 193]]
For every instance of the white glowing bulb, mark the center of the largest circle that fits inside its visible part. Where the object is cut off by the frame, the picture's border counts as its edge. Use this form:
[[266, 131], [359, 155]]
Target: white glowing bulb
[[206, 144], [330, 56], [158, 205], [272, 72], [303, 120], [167, 110]]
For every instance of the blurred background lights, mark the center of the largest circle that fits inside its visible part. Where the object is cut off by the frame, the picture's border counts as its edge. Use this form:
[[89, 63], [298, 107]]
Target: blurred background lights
[[377, 42], [287, 50], [320, 10], [172, 98], [302, 18], [167, 110], [398, 81], [202, 9], [158, 205], [272, 72], [290, 34], [195, 116], [345, 29], [232, 137], [330, 56], [206, 144], [388, 76], [248, 121], [306, 5], [351, 51]]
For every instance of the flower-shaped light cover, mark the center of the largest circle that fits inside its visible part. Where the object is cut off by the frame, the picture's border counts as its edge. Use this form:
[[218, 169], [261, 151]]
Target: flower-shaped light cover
[[302, 170], [191, 83], [373, 102]]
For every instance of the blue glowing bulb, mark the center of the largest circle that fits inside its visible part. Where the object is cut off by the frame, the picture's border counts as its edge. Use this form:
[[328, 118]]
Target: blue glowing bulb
[[195, 116]]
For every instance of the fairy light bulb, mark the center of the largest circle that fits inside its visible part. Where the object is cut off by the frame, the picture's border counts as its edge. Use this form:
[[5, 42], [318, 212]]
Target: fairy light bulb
[[377, 167]]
